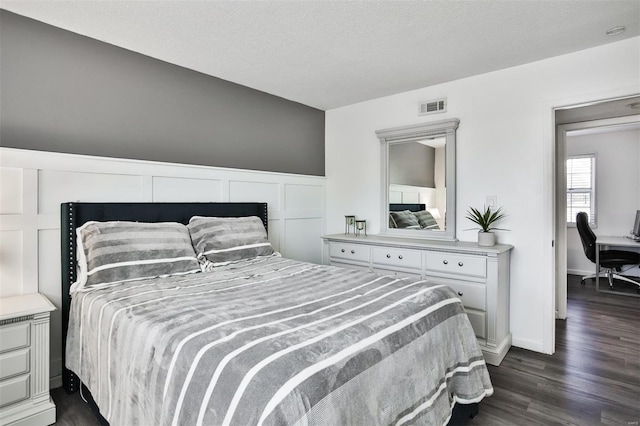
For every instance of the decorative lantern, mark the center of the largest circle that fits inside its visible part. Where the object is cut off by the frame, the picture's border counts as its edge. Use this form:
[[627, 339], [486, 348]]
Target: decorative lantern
[[349, 222]]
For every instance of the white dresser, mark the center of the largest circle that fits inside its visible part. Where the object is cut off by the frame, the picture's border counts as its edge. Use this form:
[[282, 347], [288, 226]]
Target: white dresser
[[480, 276], [24, 361]]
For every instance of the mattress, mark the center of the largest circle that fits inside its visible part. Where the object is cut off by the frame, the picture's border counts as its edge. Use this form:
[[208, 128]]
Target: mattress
[[272, 341]]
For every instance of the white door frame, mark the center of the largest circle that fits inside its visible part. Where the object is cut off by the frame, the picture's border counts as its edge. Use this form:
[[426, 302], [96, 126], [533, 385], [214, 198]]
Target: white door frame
[[561, 199], [549, 210]]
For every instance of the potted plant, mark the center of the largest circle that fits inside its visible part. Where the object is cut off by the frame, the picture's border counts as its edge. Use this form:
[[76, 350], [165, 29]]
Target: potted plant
[[485, 219]]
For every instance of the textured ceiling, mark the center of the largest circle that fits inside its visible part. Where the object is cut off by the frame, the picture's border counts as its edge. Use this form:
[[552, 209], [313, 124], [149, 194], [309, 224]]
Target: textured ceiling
[[331, 54]]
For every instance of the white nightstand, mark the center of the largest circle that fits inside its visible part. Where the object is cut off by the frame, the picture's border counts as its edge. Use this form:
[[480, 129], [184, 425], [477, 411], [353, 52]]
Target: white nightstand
[[24, 361]]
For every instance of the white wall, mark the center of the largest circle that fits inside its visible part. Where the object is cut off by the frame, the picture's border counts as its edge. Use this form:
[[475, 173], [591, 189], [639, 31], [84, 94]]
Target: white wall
[[617, 189], [34, 183], [505, 148]]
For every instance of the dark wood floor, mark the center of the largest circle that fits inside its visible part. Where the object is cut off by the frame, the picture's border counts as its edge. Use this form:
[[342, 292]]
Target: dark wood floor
[[593, 378]]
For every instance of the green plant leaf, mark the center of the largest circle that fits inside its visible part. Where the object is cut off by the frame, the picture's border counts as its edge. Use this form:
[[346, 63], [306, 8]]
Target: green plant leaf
[[485, 219]]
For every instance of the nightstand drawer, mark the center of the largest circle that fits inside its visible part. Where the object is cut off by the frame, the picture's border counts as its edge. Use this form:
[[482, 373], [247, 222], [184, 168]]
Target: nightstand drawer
[[457, 264], [471, 295], [14, 336], [349, 252], [14, 390], [478, 321], [401, 258], [14, 363], [24, 360]]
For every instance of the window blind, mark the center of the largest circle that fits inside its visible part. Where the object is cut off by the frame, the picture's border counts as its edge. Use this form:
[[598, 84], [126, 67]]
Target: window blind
[[581, 187]]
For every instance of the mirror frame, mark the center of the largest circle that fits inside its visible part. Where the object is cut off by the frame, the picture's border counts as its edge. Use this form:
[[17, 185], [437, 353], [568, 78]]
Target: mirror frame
[[412, 133]]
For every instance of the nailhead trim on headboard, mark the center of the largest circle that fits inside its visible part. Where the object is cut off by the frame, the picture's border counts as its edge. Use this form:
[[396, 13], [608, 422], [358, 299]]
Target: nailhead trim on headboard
[[72, 244], [266, 219]]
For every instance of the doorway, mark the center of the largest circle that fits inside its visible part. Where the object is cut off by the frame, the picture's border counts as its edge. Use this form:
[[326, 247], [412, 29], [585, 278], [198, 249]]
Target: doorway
[[597, 118]]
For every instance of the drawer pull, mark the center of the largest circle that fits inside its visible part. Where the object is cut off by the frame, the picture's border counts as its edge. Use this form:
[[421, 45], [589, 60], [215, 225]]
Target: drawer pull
[[400, 257], [460, 293], [388, 256], [460, 264], [446, 262], [342, 250], [353, 252]]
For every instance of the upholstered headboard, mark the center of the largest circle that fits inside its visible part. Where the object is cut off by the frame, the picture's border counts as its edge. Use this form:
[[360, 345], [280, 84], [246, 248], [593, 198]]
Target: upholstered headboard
[[410, 207], [74, 215]]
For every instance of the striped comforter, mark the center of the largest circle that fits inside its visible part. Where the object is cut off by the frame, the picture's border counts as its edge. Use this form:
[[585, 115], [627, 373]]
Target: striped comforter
[[275, 341]]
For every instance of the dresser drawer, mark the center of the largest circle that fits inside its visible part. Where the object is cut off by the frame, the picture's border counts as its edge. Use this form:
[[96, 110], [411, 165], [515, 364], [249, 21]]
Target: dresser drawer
[[401, 258], [472, 295], [354, 252], [457, 264], [14, 336], [14, 363], [398, 274], [14, 390]]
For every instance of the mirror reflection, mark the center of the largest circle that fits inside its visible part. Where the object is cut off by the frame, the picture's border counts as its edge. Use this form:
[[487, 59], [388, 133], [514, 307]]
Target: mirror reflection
[[418, 175], [417, 184]]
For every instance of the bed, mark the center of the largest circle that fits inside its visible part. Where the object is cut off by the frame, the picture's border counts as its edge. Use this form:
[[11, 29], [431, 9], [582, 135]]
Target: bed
[[260, 339], [412, 216]]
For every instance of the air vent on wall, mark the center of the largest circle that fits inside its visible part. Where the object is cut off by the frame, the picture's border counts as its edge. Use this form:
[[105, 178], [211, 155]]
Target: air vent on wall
[[432, 107]]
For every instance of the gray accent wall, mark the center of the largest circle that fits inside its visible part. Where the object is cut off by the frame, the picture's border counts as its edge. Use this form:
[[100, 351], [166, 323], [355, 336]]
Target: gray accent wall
[[412, 163], [63, 92]]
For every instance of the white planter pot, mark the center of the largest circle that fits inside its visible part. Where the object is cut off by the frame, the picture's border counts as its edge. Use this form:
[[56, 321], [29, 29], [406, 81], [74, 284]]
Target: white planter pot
[[486, 239]]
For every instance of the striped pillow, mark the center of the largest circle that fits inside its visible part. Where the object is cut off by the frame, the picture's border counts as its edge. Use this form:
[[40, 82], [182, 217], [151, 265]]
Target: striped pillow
[[405, 219], [426, 220], [222, 240], [115, 252]]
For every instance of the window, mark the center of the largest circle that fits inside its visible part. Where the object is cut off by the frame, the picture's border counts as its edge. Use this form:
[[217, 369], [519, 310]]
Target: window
[[581, 191]]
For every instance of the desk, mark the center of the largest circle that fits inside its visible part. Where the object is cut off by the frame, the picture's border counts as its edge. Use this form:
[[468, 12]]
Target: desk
[[608, 241]]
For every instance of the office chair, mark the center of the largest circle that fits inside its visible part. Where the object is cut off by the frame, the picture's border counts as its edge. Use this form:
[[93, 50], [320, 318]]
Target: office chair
[[611, 260]]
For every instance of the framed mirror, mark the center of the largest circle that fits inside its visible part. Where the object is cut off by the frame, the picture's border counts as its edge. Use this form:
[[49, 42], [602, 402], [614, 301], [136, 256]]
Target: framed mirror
[[418, 175]]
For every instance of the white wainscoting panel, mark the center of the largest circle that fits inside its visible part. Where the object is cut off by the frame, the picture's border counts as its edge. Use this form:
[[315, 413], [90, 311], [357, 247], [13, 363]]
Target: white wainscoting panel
[[10, 190], [173, 189], [304, 197], [56, 187], [275, 231], [11, 254], [300, 236], [408, 194], [255, 192], [395, 197], [33, 184], [410, 197]]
